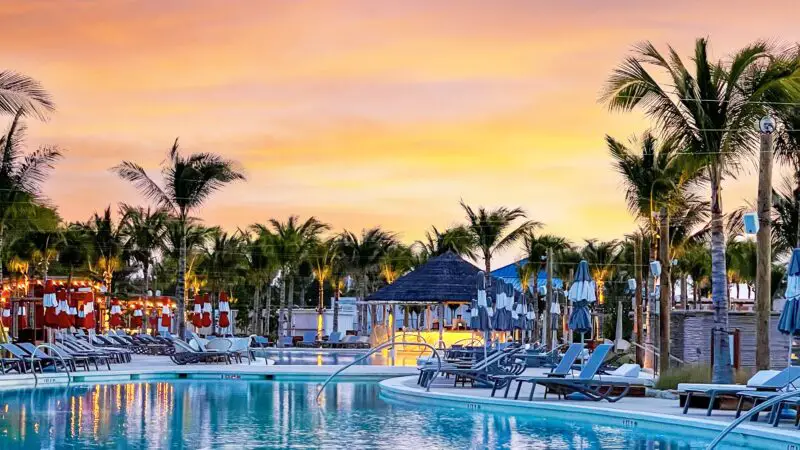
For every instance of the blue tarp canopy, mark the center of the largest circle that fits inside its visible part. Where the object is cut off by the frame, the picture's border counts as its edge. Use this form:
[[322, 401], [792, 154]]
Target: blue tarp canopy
[[509, 275]]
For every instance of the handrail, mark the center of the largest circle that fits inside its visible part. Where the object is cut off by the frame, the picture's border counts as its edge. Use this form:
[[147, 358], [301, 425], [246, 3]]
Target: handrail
[[656, 352], [375, 349], [58, 353], [753, 411]]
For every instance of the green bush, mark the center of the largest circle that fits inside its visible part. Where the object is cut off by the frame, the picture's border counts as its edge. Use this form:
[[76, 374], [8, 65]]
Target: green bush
[[694, 374]]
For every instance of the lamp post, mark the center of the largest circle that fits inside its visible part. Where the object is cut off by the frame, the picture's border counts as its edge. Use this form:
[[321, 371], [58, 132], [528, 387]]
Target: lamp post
[[763, 243]]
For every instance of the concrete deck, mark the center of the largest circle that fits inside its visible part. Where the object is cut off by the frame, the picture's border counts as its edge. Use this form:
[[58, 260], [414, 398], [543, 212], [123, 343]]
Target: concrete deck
[[630, 412]]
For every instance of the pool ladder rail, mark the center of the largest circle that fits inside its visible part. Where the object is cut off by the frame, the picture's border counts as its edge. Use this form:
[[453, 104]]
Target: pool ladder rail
[[753, 411], [381, 347], [61, 358]]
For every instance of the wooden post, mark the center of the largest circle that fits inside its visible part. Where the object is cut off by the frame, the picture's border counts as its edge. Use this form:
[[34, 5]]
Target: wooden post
[[637, 302], [764, 253]]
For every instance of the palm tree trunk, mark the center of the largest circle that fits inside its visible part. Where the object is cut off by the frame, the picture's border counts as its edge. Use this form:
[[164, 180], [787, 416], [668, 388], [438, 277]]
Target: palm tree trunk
[[268, 312], [256, 309], [303, 283], [666, 288], [282, 307], [336, 305], [722, 370], [637, 301], [290, 301], [180, 287], [685, 291]]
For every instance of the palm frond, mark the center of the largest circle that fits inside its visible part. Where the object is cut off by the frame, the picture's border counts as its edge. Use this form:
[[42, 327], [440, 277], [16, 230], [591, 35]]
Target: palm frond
[[22, 94]]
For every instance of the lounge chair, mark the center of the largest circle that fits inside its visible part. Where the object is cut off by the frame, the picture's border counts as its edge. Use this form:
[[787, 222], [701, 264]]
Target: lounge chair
[[39, 358], [587, 383], [91, 357], [7, 364], [362, 342], [261, 341], [286, 341], [563, 369], [781, 382], [309, 339], [499, 362], [715, 391], [81, 345], [333, 340], [28, 362], [349, 341], [187, 354], [60, 357]]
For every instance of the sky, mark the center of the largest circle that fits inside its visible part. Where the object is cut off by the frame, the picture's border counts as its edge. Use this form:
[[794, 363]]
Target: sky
[[362, 113]]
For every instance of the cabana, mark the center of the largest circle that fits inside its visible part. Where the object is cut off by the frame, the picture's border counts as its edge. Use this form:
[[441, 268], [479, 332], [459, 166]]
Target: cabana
[[442, 281]]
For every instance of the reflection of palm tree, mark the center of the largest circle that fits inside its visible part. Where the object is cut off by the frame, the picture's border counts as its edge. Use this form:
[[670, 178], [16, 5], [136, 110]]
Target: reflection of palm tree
[[710, 111], [189, 181]]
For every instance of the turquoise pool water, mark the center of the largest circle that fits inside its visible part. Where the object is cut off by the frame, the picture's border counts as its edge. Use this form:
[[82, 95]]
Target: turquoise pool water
[[273, 414]]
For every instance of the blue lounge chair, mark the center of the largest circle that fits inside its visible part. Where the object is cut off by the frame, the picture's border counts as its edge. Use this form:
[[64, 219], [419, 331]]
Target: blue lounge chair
[[785, 380], [563, 369], [309, 339], [586, 383], [764, 380], [333, 340], [497, 363], [261, 341], [285, 341]]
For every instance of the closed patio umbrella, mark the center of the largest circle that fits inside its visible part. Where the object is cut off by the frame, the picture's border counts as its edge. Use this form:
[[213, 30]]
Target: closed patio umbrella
[[62, 310], [582, 295], [197, 312], [50, 304], [116, 314], [206, 311], [789, 322], [224, 310]]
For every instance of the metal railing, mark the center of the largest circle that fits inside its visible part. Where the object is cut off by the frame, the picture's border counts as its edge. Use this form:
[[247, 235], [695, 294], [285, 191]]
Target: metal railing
[[753, 411], [57, 353], [371, 352]]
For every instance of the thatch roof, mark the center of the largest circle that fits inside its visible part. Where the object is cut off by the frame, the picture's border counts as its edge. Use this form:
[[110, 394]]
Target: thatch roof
[[444, 278]]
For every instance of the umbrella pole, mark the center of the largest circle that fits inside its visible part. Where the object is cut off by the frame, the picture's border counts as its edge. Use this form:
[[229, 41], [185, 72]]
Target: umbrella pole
[[582, 358]]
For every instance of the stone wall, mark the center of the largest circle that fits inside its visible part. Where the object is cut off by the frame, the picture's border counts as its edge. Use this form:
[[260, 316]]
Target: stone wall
[[691, 337]]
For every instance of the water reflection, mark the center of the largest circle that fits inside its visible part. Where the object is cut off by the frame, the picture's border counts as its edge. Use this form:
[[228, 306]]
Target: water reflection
[[239, 414], [326, 358]]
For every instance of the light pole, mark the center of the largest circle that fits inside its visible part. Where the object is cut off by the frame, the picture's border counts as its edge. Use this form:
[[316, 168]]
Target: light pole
[[763, 243]]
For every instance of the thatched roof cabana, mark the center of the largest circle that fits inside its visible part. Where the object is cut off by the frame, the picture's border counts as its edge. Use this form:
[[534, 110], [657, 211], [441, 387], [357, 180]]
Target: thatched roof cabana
[[444, 278]]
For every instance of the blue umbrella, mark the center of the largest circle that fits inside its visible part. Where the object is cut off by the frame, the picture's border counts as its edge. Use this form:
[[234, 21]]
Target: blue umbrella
[[789, 322], [581, 294], [480, 314]]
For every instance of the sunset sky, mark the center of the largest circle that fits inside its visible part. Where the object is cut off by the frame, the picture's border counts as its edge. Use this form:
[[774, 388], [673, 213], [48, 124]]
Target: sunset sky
[[365, 112]]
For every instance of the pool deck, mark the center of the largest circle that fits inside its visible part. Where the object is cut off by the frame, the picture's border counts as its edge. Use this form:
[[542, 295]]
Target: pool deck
[[630, 411], [146, 367]]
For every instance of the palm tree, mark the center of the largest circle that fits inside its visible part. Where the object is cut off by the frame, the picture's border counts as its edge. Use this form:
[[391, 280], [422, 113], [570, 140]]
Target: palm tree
[[743, 261], [323, 260], [189, 181], [143, 232], [710, 111], [224, 260], [602, 257], [536, 247], [361, 256], [262, 268], [787, 150], [21, 175], [292, 242], [73, 251], [526, 271], [491, 230], [106, 246], [785, 217], [22, 95], [458, 240]]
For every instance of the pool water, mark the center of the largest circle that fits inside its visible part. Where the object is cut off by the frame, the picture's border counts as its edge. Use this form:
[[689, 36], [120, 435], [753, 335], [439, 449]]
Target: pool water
[[326, 358], [275, 414]]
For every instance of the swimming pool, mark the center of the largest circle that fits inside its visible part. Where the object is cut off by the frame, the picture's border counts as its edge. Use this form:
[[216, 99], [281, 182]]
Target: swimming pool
[[279, 414], [313, 357]]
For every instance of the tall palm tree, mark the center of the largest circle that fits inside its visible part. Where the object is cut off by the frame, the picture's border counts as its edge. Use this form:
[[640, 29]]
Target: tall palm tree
[[602, 257], [143, 232], [362, 255], [293, 240], [262, 267], [492, 231], [188, 182], [22, 95], [73, 250], [106, 246], [21, 175], [536, 246], [323, 261], [458, 240], [710, 109], [785, 217], [224, 260]]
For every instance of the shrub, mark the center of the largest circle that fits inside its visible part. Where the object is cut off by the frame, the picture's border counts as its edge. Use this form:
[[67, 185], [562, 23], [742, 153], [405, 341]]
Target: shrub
[[694, 374]]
